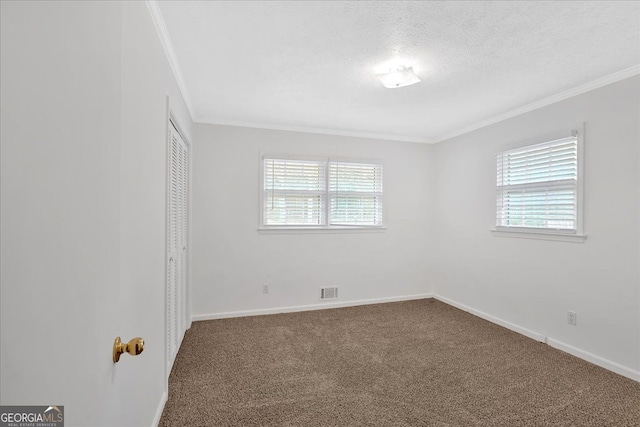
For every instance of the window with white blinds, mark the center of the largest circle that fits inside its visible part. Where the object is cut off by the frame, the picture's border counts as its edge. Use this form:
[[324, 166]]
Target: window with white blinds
[[321, 193], [294, 192], [537, 187], [355, 194]]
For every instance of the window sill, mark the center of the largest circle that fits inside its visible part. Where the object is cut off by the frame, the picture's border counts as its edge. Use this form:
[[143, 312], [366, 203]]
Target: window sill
[[321, 230], [540, 235]]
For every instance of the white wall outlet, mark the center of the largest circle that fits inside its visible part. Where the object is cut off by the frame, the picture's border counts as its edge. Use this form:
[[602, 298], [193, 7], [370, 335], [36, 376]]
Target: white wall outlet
[[572, 318], [265, 289]]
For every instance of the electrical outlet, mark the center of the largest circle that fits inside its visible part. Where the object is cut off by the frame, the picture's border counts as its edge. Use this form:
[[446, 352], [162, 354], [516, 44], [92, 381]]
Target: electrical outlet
[[265, 289], [572, 318]]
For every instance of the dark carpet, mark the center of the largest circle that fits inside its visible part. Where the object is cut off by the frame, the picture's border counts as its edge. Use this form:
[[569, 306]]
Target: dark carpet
[[414, 363]]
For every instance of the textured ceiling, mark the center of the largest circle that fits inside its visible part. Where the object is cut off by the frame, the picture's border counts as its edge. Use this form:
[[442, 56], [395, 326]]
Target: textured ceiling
[[312, 64]]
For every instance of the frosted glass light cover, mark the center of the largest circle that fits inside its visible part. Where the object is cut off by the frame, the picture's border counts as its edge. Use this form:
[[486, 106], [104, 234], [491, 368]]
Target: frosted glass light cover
[[398, 78]]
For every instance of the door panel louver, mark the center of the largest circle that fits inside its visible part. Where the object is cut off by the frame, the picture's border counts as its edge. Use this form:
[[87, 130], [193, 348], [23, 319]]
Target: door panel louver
[[177, 243]]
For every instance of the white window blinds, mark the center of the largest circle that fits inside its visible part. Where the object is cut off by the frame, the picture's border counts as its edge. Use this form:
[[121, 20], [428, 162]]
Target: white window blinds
[[321, 193], [537, 186], [355, 192], [294, 192]]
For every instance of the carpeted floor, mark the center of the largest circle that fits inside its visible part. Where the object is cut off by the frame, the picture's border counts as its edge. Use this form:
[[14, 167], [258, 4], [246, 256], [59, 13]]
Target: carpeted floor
[[414, 363]]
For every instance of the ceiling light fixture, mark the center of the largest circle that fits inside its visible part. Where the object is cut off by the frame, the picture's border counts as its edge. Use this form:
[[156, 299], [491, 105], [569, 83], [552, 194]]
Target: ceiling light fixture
[[399, 77]]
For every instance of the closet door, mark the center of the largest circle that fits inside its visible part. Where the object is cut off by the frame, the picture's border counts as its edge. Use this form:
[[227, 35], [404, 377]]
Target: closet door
[[177, 243], [183, 228], [183, 236]]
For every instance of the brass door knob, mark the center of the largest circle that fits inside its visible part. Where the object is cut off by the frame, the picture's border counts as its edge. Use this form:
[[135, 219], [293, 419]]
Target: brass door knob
[[133, 347]]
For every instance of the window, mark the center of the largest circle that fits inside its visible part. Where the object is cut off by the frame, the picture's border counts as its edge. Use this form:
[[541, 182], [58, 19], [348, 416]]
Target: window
[[355, 191], [294, 192], [302, 193], [537, 187]]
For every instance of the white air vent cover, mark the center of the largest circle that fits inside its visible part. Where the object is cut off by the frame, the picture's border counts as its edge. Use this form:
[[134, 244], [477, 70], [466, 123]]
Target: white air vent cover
[[328, 293]]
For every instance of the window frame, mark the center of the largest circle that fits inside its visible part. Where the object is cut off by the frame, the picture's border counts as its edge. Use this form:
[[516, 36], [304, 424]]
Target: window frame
[[324, 228], [571, 235]]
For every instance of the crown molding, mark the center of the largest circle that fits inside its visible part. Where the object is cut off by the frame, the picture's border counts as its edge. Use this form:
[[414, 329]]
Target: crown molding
[[595, 84], [321, 131], [158, 21], [161, 28]]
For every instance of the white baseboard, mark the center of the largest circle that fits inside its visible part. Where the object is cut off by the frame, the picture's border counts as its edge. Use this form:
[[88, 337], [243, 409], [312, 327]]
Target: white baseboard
[[519, 329], [596, 360], [156, 418], [310, 307], [582, 354]]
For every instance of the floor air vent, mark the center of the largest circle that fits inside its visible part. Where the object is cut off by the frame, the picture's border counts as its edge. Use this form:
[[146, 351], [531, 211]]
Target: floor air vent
[[328, 293]]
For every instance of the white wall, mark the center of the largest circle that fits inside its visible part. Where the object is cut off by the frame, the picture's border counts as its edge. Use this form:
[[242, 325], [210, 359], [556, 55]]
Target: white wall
[[146, 82], [83, 167], [533, 283], [60, 176], [231, 260]]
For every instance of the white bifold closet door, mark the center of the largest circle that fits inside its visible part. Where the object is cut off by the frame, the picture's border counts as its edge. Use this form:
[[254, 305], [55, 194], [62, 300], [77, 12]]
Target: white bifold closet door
[[177, 245]]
